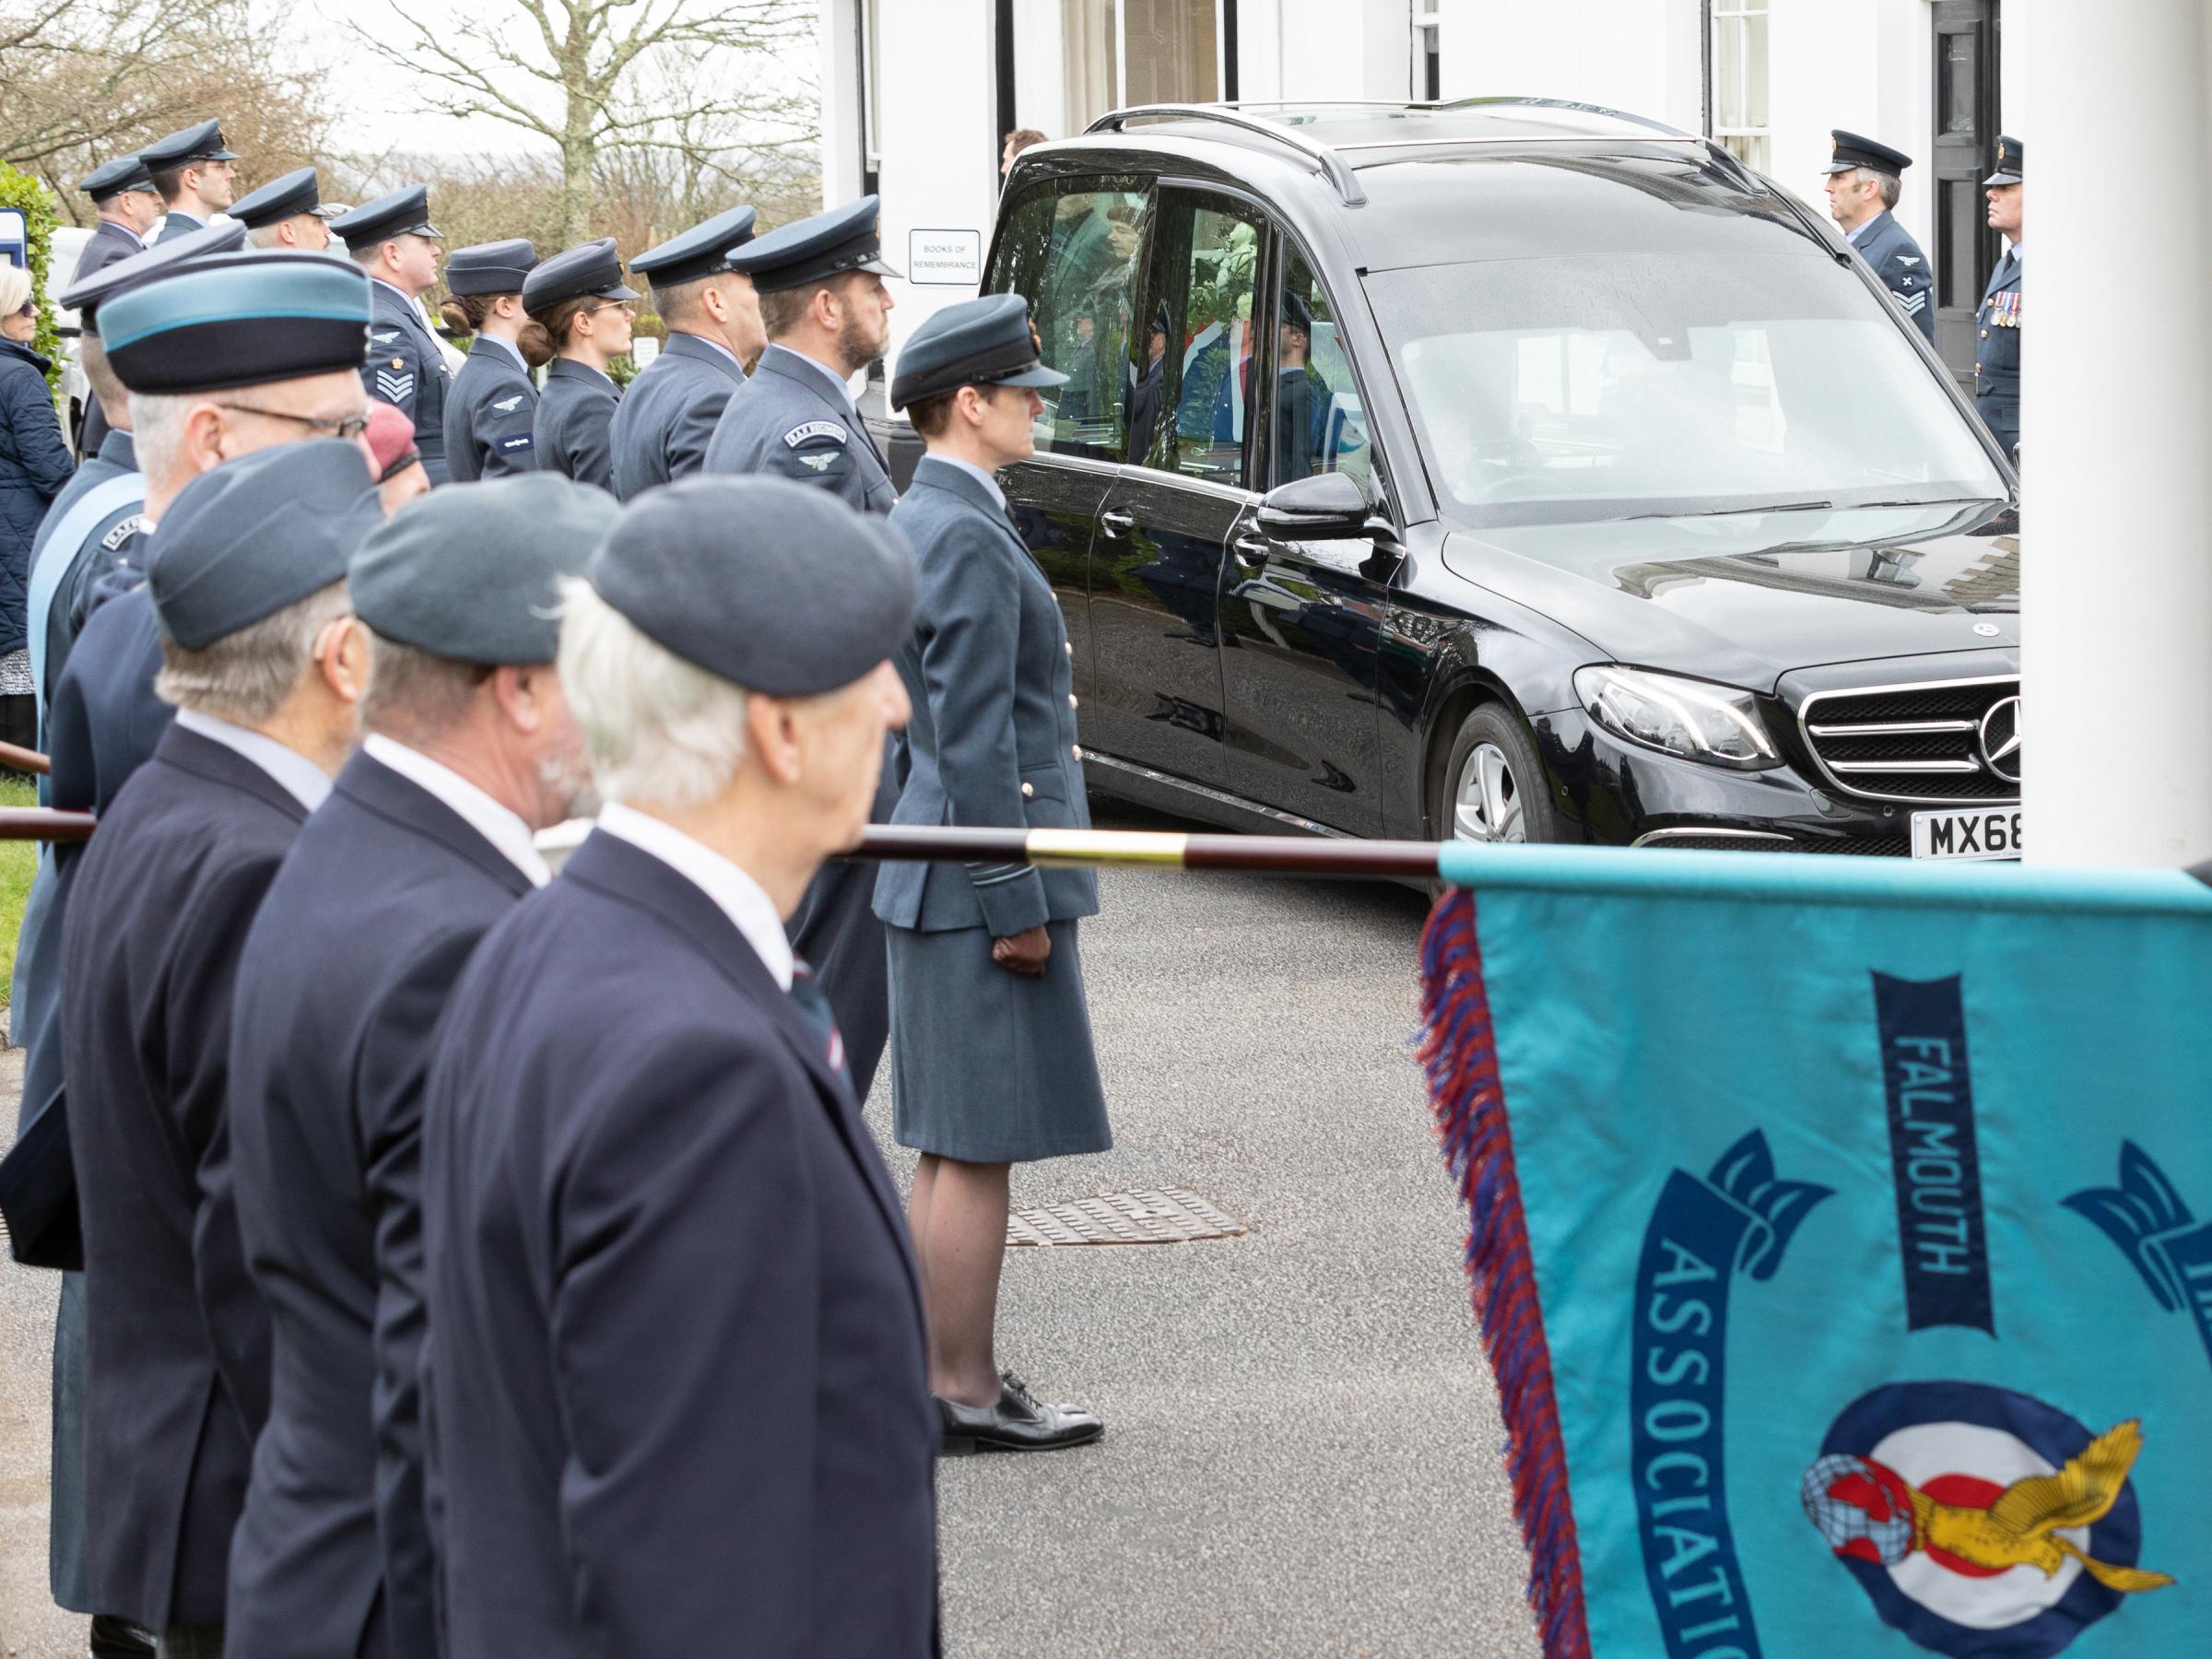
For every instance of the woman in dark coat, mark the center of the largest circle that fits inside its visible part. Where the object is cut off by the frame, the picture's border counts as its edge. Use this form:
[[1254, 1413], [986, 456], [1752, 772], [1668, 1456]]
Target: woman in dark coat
[[992, 1061], [34, 464]]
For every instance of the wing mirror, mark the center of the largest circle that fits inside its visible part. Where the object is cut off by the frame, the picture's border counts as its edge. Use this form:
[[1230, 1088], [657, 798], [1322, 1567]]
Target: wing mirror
[[1327, 506]]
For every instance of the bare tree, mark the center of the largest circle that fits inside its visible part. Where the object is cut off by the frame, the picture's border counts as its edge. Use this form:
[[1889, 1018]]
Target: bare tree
[[89, 79], [691, 79]]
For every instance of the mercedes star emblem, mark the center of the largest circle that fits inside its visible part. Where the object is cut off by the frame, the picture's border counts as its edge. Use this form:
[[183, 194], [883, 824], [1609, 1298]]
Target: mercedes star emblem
[[2001, 739]]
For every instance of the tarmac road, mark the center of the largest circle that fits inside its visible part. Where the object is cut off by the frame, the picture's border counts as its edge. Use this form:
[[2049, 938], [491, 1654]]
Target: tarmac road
[[1301, 1449]]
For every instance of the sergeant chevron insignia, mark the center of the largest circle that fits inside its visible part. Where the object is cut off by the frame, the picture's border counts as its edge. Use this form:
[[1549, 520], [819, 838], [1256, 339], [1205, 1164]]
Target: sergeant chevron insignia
[[395, 388]]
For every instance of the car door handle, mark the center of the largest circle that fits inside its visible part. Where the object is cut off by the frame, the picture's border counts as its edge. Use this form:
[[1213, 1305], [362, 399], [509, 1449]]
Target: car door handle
[[1250, 550], [1117, 523]]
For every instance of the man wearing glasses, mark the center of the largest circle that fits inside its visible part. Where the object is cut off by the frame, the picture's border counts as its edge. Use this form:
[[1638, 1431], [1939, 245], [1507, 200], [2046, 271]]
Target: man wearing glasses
[[392, 239], [579, 296]]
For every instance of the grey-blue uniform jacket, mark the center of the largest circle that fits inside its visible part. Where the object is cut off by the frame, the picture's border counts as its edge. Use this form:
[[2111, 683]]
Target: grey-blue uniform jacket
[[490, 414], [177, 1337], [109, 242], [175, 224], [677, 1391], [1889, 247], [789, 421], [1997, 352], [574, 414], [328, 1054], [668, 414], [406, 368], [992, 739]]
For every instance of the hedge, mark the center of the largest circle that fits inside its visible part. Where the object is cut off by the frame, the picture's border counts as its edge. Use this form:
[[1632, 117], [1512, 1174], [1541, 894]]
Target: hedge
[[20, 191]]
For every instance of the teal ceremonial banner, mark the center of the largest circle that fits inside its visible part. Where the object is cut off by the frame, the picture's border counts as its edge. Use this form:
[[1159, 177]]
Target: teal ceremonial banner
[[1842, 1235]]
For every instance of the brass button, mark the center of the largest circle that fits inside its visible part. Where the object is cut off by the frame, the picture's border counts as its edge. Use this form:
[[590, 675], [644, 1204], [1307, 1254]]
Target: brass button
[[1986, 334], [1028, 790], [1072, 702], [1076, 751]]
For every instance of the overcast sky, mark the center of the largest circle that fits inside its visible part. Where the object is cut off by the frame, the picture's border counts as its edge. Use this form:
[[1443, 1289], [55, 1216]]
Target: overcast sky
[[380, 102]]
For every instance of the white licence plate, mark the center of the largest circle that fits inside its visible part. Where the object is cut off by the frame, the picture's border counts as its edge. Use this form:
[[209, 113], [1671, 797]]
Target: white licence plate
[[1993, 833]]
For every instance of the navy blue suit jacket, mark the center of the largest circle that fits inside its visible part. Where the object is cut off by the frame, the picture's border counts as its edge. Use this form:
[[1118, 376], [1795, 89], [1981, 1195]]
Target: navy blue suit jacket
[[669, 412], [991, 740], [678, 1400], [327, 1056], [570, 430], [490, 417], [177, 1339], [1997, 353]]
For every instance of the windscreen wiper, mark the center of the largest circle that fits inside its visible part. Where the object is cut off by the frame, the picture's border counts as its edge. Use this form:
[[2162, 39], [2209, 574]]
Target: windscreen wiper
[[1741, 511]]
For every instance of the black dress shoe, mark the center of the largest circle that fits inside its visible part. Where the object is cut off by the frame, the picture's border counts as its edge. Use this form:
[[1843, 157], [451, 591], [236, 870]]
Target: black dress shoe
[[1016, 1423]]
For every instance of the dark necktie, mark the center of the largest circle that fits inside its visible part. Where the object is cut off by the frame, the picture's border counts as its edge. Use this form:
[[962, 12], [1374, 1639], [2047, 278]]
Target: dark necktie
[[807, 991]]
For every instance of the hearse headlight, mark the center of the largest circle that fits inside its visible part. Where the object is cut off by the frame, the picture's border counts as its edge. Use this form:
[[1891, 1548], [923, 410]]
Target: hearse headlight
[[1693, 719]]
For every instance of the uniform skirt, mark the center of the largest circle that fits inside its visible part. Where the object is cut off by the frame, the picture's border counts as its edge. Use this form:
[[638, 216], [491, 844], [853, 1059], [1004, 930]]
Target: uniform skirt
[[989, 1067]]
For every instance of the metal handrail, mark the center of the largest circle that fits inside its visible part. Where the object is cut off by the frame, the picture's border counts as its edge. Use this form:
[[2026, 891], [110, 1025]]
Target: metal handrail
[[1330, 163]]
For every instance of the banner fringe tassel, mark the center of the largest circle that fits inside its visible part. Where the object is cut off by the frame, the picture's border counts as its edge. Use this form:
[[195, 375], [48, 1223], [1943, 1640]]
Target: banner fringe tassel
[[1459, 1052]]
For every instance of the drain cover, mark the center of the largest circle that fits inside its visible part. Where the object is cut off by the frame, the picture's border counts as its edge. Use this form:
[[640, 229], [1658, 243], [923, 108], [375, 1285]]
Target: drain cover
[[1169, 1216]]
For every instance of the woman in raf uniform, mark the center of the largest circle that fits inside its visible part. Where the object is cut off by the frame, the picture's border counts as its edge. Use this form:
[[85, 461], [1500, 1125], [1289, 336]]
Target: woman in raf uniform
[[580, 297], [489, 412], [991, 1060]]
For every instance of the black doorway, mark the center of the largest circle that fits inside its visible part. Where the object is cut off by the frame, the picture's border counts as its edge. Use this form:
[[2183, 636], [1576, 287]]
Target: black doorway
[[1968, 35]]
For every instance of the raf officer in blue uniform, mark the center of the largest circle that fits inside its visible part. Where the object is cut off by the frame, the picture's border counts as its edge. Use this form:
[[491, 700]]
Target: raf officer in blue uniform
[[177, 1360], [826, 317], [676, 1377], [285, 213], [1998, 325], [492, 412], [1865, 180], [192, 172], [580, 297], [129, 206], [394, 240], [424, 844], [123, 193], [993, 1062], [669, 412]]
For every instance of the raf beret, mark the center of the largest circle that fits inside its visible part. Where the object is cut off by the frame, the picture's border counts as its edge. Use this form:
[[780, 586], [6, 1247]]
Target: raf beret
[[472, 573], [238, 320], [257, 534], [201, 143], [2011, 156], [729, 574], [84, 298], [498, 267], [592, 268], [977, 342], [113, 178], [844, 239], [699, 252], [1849, 150], [403, 212], [278, 199]]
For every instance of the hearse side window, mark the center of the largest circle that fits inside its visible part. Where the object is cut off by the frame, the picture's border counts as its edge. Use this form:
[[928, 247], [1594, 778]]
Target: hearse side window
[[1315, 423], [1071, 247], [1192, 369]]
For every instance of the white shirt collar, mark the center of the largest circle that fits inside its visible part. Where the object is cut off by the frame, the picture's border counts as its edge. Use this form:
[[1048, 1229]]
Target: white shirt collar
[[501, 826], [119, 225], [300, 777], [735, 893], [511, 349], [1864, 226], [979, 474], [830, 375]]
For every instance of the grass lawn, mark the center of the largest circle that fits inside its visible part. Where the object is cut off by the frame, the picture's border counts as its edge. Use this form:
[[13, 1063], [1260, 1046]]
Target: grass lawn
[[18, 860]]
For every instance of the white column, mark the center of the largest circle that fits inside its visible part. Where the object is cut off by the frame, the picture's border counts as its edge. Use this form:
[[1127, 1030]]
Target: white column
[[2116, 556]]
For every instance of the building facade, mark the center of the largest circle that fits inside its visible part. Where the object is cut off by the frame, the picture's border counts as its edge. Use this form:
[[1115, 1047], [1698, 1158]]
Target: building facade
[[917, 94]]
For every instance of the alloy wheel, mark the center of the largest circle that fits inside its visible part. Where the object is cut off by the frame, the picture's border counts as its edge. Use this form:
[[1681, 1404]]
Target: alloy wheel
[[1487, 803]]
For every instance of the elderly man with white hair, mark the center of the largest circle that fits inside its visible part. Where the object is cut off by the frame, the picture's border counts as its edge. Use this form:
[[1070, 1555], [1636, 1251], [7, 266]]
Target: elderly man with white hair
[[678, 1383]]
